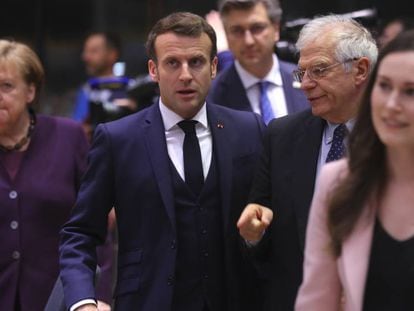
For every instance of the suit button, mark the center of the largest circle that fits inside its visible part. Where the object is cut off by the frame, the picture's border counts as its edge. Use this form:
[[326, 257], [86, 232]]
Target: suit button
[[16, 255], [204, 231], [170, 280], [205, 254], [205, 276], [173, 244], [14, 225], [12, 194]]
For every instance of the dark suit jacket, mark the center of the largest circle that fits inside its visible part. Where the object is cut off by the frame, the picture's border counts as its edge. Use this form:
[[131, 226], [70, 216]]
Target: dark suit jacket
[[129, 168], [285, 182], [228, 90], [34, 206]]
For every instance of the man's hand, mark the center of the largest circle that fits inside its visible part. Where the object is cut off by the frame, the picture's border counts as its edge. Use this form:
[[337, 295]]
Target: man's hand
[[253, 222]]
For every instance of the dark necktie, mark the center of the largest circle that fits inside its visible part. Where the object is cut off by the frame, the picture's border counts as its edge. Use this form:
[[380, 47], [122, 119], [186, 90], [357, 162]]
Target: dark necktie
[[337, 146], [265, 105], [193, 167]]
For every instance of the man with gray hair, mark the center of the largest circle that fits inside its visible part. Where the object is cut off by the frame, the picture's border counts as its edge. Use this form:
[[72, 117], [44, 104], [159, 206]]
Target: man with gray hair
[[257, 81], [336, 56]]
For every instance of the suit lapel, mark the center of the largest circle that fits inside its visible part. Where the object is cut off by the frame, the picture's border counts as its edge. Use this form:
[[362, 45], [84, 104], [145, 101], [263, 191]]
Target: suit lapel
[[288, 89], [222, 153], [234, 88], [307, 145], [158, 153]]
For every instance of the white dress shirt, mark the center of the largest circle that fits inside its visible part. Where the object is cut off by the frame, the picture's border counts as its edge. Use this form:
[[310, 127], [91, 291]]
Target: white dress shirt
[[174, 136], [274, 91]]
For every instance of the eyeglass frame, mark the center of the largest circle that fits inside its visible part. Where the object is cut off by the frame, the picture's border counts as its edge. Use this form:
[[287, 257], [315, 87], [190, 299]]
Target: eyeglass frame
[[298, 74], [254, 29]]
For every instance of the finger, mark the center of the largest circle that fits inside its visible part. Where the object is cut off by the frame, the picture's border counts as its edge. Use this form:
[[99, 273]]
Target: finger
[[247, 215], [267, 216]]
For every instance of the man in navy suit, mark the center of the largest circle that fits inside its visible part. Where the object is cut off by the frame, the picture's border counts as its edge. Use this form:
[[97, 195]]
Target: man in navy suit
[[179, 248], [252, 30]]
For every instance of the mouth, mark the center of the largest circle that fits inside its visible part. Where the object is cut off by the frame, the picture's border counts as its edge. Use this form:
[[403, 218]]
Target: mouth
[[186, 93], [250, 52], [314, 98], [392, 123]]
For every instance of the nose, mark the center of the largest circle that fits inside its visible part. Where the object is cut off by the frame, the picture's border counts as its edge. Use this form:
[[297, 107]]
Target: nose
[[185, 74], [307, 83], [393, 100], [248, 37]]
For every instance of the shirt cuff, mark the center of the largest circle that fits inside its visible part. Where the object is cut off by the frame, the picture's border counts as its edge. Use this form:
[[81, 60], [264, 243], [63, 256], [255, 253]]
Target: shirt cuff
[[82, 303]]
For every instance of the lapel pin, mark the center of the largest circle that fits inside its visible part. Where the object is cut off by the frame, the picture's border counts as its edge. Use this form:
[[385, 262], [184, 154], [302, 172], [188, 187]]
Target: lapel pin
[[220, 125]]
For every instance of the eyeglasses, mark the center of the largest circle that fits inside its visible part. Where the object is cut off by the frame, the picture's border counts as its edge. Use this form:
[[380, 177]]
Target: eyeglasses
[[316, 72], [255, 29]]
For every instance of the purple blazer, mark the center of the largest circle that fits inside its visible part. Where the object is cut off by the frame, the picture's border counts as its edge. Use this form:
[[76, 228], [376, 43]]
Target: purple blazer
[[33, 208]]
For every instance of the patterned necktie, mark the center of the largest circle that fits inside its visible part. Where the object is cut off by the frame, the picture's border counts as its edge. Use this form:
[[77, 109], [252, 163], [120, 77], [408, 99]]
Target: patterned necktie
[[265, 105], [193, 167], [337, 146]]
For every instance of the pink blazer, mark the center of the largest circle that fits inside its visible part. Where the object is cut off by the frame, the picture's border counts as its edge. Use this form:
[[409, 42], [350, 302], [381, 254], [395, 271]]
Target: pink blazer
[[334, 283]]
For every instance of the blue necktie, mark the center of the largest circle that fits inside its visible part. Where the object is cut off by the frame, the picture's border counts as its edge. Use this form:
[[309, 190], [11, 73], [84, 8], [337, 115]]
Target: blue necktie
[[337, 146], [193, 167], [265, 105]]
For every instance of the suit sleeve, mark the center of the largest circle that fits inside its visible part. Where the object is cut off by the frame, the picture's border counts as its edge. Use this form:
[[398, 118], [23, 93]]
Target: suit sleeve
[[88, 222], [260, 192], [321, 288]]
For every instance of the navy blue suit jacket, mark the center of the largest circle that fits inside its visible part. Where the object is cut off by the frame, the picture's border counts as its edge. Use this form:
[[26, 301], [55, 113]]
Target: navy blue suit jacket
[[229, 91], [129, 168]]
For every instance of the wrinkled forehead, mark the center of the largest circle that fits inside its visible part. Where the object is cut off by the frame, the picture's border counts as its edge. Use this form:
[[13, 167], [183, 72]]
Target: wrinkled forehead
[[321, 48]]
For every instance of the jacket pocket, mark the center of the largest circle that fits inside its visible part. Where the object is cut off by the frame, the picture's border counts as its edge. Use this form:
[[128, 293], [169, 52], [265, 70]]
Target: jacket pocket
[[130, 257], [129, 270], [126, 286]]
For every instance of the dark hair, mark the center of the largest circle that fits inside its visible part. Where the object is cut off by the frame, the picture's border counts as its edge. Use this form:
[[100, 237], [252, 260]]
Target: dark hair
[[26, 62], [368, 173], [274, 11], [181, 23], [112, 39]]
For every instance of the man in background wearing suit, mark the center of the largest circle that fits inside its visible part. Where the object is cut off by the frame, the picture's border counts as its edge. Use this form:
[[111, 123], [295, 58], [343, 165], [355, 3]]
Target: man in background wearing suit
[[178, 174], [252, 30], [336, 55]]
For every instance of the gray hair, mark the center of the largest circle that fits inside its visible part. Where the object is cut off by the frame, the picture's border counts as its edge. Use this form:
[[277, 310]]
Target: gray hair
[[350, 38], [274, 10]]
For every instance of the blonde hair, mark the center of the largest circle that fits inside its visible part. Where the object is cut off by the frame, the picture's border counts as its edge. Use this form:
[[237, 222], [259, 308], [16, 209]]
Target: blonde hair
[[25, 60]]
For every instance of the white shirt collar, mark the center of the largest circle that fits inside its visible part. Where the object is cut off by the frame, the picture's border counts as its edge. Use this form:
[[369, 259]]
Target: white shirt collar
[[170, 118], [248, 80]]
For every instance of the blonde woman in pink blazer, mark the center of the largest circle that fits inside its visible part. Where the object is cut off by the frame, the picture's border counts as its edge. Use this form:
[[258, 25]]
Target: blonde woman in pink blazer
[[359, 252]]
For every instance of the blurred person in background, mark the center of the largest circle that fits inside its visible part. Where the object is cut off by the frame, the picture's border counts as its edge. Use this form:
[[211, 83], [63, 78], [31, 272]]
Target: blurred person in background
[[360, 239], [257, 80], [224, 55], [104, 96], [42, 160], [392, 28]]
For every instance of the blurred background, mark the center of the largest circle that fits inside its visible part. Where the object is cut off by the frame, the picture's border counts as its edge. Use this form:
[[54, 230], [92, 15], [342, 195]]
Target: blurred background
[[56, 30]]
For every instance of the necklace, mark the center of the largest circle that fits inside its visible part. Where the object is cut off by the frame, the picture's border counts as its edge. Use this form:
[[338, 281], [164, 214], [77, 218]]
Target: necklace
[[26, 138]]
